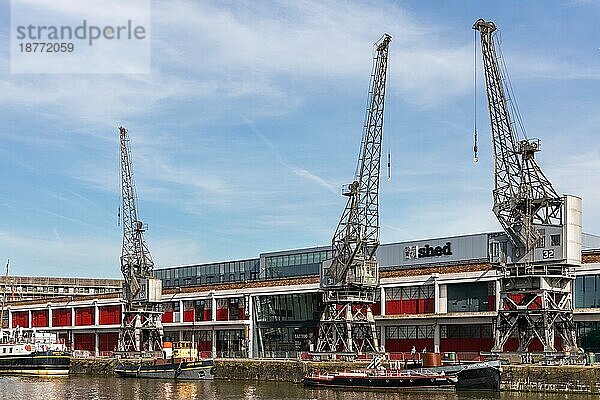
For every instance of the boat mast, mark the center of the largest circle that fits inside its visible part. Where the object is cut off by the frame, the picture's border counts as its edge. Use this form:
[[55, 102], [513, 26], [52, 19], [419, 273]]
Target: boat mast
[[4, 302]]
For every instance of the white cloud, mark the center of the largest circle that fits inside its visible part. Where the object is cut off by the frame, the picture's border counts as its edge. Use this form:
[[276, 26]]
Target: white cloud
[[251, 54], [315, 41], [310, 176], [530, 66]]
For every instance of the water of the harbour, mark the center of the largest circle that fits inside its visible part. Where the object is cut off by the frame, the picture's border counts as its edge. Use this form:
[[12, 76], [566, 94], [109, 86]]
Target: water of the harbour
[[108, 388]]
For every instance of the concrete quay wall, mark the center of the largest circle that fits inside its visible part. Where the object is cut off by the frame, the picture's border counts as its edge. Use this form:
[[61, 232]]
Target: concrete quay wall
[[230, 369], [276, 370], [551, 379], [521, 378]]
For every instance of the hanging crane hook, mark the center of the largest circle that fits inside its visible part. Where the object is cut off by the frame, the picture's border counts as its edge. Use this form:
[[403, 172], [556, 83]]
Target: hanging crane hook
[[475, 148], [389, 166]]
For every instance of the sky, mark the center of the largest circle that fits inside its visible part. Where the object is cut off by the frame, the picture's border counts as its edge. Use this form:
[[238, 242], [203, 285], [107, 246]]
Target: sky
[[250, 121]]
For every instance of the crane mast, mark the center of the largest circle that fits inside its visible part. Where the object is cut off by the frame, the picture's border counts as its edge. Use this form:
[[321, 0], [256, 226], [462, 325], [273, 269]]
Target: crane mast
[[349, 279], [141, 328], [542, 240]]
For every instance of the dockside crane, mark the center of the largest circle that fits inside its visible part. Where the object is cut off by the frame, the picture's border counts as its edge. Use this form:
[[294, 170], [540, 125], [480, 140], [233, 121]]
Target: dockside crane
[[349, 279], [141, 328], [542, 240]]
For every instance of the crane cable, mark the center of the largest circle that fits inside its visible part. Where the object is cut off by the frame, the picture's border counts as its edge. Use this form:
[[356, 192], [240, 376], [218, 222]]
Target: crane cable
[[475, 148], [118, 185], [386, 137], [511, 99]]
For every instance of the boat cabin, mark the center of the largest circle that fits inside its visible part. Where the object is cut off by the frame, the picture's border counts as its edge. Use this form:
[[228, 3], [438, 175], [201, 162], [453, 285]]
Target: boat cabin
[[184, 351]]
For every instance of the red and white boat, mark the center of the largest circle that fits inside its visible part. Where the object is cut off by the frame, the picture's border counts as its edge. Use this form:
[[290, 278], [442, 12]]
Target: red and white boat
[[422, 379]]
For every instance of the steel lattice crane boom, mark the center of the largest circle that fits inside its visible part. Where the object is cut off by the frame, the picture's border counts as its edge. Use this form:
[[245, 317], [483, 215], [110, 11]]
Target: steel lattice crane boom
[[136, 261], [522, 193], [141, 328], [543, 229], [349, 279]]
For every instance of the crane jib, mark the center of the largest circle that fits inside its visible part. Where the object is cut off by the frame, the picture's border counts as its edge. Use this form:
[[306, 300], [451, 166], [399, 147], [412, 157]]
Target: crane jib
[[359, 223], [350, 277], [541, 242]]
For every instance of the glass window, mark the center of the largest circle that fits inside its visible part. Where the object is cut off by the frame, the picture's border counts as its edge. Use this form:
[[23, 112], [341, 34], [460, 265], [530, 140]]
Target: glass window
[[231, 343], [425, 332], [589, 290], [466, 297], [290, 307], [391, 293], [578, 292], [588, 334], [443, 332], [405, 293], [391, 332], [297, 309], [554, 240], [541, 243], [495, 249]]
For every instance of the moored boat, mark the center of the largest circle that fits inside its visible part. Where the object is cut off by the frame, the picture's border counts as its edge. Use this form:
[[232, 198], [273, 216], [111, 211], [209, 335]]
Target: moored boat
[[184, 370], [477, 376], [33, 353], [181, 364], [422, 379]]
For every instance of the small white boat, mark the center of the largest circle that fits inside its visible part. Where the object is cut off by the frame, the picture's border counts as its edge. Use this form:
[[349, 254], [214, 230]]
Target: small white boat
[[33, 352]]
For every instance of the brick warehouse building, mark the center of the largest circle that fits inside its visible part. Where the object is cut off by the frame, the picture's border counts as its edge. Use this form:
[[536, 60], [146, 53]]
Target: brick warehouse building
[[269, 307], [17, 288]]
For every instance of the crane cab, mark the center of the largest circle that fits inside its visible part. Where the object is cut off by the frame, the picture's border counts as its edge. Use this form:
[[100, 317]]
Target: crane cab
[[350, 189], [528, 147]]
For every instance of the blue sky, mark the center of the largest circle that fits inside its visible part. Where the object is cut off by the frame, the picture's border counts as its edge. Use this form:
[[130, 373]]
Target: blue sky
[[251, 120]]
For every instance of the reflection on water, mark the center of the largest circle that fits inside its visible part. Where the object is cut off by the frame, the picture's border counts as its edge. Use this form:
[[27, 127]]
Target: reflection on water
[[112, 388]]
